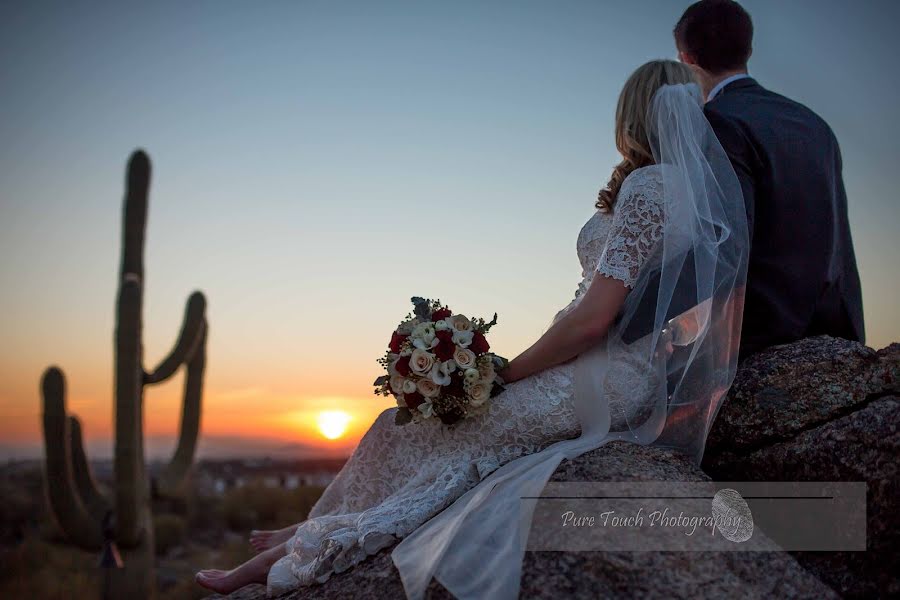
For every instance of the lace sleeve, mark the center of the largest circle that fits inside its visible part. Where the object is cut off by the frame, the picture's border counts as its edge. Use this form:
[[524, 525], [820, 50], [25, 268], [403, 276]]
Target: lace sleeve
[[636, 228]]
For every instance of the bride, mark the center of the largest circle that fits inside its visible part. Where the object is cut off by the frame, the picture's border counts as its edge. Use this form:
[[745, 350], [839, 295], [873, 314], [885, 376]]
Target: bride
[[644, 352]]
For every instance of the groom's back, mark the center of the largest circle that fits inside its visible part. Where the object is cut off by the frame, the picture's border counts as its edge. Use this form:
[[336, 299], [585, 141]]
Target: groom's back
[[802, 277]]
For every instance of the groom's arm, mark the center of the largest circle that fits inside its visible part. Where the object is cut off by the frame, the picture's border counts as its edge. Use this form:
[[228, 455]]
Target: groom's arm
[[740, 152]]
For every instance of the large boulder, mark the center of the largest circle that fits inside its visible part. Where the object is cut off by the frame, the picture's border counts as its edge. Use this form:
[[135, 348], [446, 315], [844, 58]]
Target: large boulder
[[789, 389], [861, 446], [554, 575], [821, 409]]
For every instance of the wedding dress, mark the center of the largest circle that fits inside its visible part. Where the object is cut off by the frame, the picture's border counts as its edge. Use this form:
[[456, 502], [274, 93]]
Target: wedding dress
[[400, 476], [678, 238]]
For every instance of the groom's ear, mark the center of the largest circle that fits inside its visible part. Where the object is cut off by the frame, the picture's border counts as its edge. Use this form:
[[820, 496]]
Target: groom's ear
[[687, 58]]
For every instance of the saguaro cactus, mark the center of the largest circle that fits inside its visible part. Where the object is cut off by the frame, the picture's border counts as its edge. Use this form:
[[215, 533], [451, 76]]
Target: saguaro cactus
[[75, 501]]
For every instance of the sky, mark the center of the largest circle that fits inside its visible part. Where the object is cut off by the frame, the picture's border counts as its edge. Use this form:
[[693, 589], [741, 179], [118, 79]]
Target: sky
[[316, 164]]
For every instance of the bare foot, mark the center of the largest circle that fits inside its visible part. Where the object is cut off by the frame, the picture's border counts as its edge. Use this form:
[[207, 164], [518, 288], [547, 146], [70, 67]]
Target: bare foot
[[225, 582], [263, 540], [255, 570]]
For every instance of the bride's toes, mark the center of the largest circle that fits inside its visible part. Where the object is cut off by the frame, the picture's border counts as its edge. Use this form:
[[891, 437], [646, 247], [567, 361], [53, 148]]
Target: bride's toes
[[212, 573], [205, 578], [215, 580]]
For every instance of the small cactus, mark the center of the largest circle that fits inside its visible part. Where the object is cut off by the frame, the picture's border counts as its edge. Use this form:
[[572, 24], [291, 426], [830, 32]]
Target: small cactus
[[81, 510]]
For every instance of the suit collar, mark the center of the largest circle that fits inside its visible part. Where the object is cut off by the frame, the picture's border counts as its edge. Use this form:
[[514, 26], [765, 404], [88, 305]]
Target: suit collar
[[719, 86]]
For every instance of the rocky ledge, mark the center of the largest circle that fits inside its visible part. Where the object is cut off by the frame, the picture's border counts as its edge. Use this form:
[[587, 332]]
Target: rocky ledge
[[821, 409]]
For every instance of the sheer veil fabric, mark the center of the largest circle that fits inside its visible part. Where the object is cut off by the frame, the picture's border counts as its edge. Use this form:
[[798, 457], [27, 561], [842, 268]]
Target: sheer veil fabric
[[669, 358]]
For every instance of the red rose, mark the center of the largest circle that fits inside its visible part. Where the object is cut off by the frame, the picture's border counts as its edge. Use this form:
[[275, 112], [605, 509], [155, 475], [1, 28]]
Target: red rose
[[479, 344], [439, 314], [402, 366], [413, 400], [445, 348], [396, 341]]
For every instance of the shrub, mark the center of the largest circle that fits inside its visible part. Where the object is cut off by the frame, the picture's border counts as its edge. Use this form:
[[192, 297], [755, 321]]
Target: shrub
[[168, 532], [259, 507]]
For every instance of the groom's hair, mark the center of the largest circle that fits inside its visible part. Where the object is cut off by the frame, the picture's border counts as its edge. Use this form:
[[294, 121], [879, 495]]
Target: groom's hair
[[717, 33]]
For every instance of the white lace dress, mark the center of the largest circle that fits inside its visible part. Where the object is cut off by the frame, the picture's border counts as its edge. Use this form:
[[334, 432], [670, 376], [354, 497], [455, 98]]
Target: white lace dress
[[399, 477]]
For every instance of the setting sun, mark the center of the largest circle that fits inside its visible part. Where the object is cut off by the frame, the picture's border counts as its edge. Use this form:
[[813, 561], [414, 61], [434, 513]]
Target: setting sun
[[333, 423]]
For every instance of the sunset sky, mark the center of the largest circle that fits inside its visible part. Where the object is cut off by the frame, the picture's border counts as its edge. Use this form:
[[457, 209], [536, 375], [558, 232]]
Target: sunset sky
[[315, 164]]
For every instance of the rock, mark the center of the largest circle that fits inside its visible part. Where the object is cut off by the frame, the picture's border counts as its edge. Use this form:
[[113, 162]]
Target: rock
[[250, 592], [821, 409], [861, 446], [658, 574], [609, 574], [788, 389]]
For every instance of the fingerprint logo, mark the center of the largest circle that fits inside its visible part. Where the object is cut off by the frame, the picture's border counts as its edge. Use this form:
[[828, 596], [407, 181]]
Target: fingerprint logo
[[732, 516]]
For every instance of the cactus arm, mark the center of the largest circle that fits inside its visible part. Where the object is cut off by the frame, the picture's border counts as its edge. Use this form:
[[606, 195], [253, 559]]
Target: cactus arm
[[176, 471], [65, 502], [96, 503], [131, 490], [187, 343]]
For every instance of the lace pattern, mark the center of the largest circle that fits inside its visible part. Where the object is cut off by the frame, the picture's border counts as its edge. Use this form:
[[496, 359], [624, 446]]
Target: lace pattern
[[637, 226]]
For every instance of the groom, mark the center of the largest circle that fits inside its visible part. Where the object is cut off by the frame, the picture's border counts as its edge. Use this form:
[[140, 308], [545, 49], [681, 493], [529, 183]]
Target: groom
[[802, 278]]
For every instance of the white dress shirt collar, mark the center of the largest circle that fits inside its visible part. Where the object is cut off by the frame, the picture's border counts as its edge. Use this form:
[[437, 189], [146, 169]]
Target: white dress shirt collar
[[721, 85]]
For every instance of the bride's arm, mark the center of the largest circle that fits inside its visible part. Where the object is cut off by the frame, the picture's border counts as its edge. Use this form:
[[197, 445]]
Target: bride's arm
[[583, 327], [635, 230]]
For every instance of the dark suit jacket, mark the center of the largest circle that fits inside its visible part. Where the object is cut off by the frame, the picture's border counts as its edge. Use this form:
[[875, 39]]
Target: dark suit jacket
[[802, 278]]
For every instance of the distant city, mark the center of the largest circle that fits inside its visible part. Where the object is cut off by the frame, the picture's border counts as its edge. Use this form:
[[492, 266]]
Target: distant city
[[216, 477], [210, 447]]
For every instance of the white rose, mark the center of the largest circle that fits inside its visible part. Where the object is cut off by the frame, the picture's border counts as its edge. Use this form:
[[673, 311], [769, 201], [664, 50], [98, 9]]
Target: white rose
[[462, 338], [428, 388], [479, 393], [460, 323], [409, 386], [472, 375], [439, 376], [465, 359], [397, 383], [441, 325], [421, 361]]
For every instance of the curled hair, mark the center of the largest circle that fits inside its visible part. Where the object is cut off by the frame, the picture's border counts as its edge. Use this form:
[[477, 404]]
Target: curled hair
[[632, 139]]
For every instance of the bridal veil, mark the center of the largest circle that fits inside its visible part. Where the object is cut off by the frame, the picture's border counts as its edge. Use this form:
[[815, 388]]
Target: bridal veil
[[674, 345]]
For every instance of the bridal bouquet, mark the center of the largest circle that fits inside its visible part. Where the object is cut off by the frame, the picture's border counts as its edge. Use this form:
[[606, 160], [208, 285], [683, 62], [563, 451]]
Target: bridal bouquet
[[438, 365]]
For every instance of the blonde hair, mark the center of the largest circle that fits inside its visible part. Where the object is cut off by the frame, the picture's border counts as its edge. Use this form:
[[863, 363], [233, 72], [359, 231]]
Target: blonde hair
[[631, 121]]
